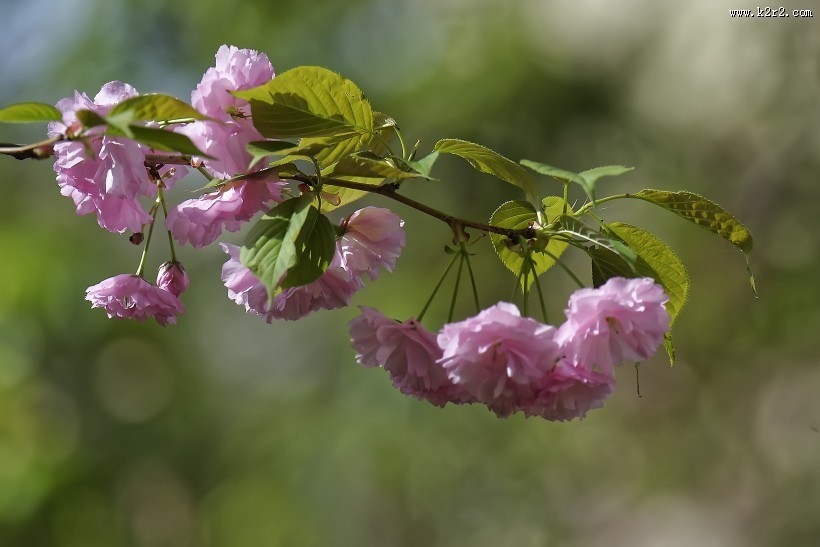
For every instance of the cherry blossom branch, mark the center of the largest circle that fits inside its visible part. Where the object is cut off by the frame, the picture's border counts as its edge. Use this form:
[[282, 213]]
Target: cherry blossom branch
[[388, 190]]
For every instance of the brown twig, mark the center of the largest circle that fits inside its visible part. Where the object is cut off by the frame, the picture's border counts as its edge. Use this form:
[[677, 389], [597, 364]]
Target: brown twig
[[388, 190]]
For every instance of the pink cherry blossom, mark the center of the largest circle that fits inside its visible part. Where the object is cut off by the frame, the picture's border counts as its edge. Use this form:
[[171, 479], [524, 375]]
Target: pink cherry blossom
[[236, 70], [408, 352], [373, 238], [200, 221], [622, 320], [498, 356], [108, 182], [226, 142], [568, 392], [227, 139], [172, 277], [332, 290], [128, 296]]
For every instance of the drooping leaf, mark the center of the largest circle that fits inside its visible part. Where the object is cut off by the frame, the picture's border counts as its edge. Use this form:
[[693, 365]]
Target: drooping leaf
[[655, 260], [488, 161], [517, 215], [703, 212], [160, 139], [308, 101], [658, 261], [30, 113], [154, 107], [270, 246]]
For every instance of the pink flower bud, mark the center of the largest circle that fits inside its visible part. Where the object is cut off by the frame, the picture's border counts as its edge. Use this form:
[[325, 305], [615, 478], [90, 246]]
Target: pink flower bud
[[172, 278]]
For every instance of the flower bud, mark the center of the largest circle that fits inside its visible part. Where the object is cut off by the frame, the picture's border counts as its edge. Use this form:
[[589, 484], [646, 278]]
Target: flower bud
[[172, 278]]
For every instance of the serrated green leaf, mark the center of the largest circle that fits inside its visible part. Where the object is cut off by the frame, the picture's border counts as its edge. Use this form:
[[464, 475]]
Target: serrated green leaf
[[517, 215], [703, 212], [573, 227], [367, 170], [154, 107], [658, 261], [488, 161], [160, 139], [655, 260], [90, 119], [308, 101], [30, 113], [315, 247], [270, 246]]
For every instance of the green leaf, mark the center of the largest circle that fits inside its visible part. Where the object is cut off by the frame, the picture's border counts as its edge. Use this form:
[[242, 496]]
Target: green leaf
[[424, 166], [551, 171], [585, 179], [270, 247], [308, 101], [703, 212], [488, 161], [30, 113], [263, 149], [517, 215], [315, 248], [160, 139], [573, 227], [367, 170], [658, 261], [385, 127], [154, 107], [90, 118]]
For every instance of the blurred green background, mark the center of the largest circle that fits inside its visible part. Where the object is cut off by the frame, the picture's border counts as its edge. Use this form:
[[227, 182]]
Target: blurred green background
[[225, 431]]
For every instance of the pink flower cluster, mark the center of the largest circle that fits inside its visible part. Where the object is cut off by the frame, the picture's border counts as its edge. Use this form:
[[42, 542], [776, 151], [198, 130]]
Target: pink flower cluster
[[127, 296], [373, 238], [107, 175], [103, 175], [511, 363], [200, 221]]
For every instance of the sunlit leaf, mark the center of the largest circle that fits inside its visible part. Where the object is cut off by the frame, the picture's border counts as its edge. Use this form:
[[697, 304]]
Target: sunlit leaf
[[270, 246], [585, 179], [308, 101], [30, 113], [167, 141], [517, 215], [488, 161], [152, 107]]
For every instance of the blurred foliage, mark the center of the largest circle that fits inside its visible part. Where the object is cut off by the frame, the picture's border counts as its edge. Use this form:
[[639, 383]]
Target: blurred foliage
[[224, 431]]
